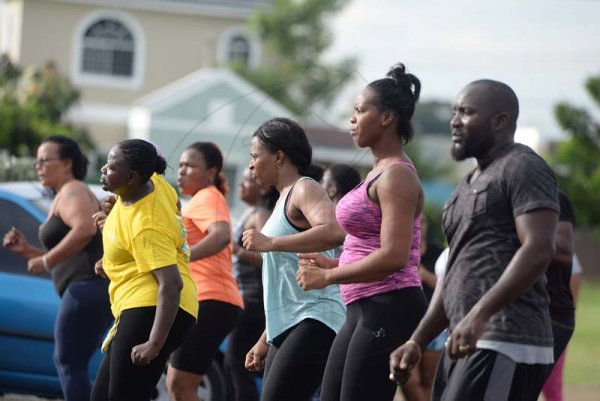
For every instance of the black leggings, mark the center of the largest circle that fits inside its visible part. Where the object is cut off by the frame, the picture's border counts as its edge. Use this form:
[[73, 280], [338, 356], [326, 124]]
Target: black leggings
[[118, 378], [295, 363], [358, 365], [246, 333], [216, 319]]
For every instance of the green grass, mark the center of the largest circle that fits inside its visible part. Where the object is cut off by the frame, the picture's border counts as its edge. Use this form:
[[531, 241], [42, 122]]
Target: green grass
[[583, 356]]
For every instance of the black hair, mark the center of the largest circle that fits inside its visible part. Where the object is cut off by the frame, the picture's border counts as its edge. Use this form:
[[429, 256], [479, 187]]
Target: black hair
[[213, 158], [289, 137], [68, 149], [345, 177], [399, 93], [142, 157]]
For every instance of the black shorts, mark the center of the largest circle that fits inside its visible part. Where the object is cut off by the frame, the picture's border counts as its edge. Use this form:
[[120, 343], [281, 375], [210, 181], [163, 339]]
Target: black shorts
[[215, 320], [488, 376]]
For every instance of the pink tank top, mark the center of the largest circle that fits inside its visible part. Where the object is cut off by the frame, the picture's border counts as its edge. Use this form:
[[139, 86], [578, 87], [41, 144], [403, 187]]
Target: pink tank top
[[360, 216]]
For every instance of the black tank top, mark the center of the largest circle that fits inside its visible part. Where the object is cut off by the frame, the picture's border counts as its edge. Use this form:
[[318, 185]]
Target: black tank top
[[77, 267], [248, 277]]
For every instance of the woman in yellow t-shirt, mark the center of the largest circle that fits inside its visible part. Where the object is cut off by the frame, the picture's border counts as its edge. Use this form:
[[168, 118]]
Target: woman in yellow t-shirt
[[206, 218], [145, 257]]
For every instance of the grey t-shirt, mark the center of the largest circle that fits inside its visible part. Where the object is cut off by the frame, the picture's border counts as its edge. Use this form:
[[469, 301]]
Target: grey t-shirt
[[479, 224]]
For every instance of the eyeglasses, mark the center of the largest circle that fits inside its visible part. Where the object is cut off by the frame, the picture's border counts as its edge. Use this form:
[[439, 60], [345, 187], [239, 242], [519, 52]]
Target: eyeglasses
[[42, 162]]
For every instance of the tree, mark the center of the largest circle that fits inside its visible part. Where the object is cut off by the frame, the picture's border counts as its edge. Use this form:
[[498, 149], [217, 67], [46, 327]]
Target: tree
[[432, 117], [32, 104], [576, 159], [295, 35]]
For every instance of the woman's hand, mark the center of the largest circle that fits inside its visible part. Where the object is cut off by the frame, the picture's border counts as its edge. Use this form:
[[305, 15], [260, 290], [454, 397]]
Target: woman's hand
[[99, 269], [107, 203], [402, 360], [255, 358], [143, 354], [15, 241], [253, 240], [311, 277], [36, 265], [317, 259], [99, 219]]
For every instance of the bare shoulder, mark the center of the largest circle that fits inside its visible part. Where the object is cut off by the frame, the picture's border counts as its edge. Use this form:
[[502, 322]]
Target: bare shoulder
[[308, 188], [399, 174], [76, 194], [75, 189]]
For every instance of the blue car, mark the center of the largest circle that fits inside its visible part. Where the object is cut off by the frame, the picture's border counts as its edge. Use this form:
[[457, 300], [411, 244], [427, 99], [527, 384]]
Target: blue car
[[29, 303]]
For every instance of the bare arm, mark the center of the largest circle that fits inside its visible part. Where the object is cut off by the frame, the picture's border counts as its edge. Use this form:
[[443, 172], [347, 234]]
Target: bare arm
[[404, 358], [169, 293], [75, 207], [309, 199], [218, 237], [399, 193], [257, 221]]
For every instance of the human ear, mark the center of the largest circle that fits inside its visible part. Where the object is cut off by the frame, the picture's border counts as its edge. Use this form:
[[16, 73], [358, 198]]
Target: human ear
[[387, 117], [500, 121], [279, 156]]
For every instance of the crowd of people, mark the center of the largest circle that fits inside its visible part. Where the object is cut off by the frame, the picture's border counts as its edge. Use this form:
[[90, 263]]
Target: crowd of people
[[326, 282]]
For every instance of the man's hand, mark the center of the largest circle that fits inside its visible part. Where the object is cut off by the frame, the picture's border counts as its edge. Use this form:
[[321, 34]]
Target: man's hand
[[463, 339]]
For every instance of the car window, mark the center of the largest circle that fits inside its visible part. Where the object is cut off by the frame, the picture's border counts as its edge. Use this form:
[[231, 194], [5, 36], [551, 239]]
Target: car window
[[14, 215]]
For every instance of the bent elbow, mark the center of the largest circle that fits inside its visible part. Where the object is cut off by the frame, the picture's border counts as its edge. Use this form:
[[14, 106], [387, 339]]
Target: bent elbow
[[338, 236]]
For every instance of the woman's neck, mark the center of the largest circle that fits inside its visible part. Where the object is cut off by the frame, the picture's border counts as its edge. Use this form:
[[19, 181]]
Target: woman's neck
[[62, 183], [286, 180], [137, 194]]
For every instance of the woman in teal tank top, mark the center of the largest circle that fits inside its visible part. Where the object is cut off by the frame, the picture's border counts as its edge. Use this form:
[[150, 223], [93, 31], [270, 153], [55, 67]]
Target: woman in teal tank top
[[300, 325]]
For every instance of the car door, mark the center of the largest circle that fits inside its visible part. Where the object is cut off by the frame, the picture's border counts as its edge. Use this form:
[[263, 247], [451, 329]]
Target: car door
[[28, 306]]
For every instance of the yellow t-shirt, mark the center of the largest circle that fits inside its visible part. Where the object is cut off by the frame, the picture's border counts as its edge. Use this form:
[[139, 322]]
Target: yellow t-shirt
[[142, 237]]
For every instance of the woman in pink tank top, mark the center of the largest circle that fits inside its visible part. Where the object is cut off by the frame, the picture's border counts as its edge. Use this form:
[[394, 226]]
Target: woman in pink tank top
[[377, 270]]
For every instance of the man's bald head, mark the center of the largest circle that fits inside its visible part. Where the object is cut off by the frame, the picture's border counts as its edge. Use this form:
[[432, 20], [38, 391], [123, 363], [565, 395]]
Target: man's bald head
[[498, 98]]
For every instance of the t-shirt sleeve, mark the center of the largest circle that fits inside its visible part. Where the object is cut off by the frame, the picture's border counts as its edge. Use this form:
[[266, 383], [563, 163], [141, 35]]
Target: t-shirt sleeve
[[154, 248], [566, 208], [531, 184], [207, 208]]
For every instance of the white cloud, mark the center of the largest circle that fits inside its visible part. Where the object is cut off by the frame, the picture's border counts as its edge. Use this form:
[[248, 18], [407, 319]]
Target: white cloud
[[545, 49]]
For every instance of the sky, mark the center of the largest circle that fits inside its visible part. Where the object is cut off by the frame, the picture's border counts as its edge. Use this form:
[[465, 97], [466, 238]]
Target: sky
[[543, 49]]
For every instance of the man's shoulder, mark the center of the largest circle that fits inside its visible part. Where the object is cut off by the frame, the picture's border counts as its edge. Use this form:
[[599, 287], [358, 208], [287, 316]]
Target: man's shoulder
[[517, 154]]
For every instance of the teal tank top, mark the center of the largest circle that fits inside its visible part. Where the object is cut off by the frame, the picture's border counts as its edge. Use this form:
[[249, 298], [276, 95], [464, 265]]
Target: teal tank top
[[286, 304]]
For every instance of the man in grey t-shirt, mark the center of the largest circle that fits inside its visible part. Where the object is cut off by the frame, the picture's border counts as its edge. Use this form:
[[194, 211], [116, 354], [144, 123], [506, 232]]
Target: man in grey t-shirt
[[500, 223]]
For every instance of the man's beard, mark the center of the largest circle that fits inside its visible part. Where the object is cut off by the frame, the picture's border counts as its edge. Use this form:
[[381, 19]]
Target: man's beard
[[460, 153]]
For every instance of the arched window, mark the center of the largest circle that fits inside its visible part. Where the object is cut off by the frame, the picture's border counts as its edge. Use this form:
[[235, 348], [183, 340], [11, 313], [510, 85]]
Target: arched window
[[239, 49], [108, 49], [237, 44]]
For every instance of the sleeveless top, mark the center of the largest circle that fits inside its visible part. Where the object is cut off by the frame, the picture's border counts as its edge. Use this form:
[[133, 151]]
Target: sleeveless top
[[76, 267], [286, 304], [360, 217], [248, 276]]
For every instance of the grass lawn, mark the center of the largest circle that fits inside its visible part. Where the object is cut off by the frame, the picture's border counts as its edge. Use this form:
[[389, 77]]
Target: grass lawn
[[583, 356]]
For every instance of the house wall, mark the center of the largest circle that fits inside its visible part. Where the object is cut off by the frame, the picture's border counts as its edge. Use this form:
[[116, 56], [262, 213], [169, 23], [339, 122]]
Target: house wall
[[175, 44]]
